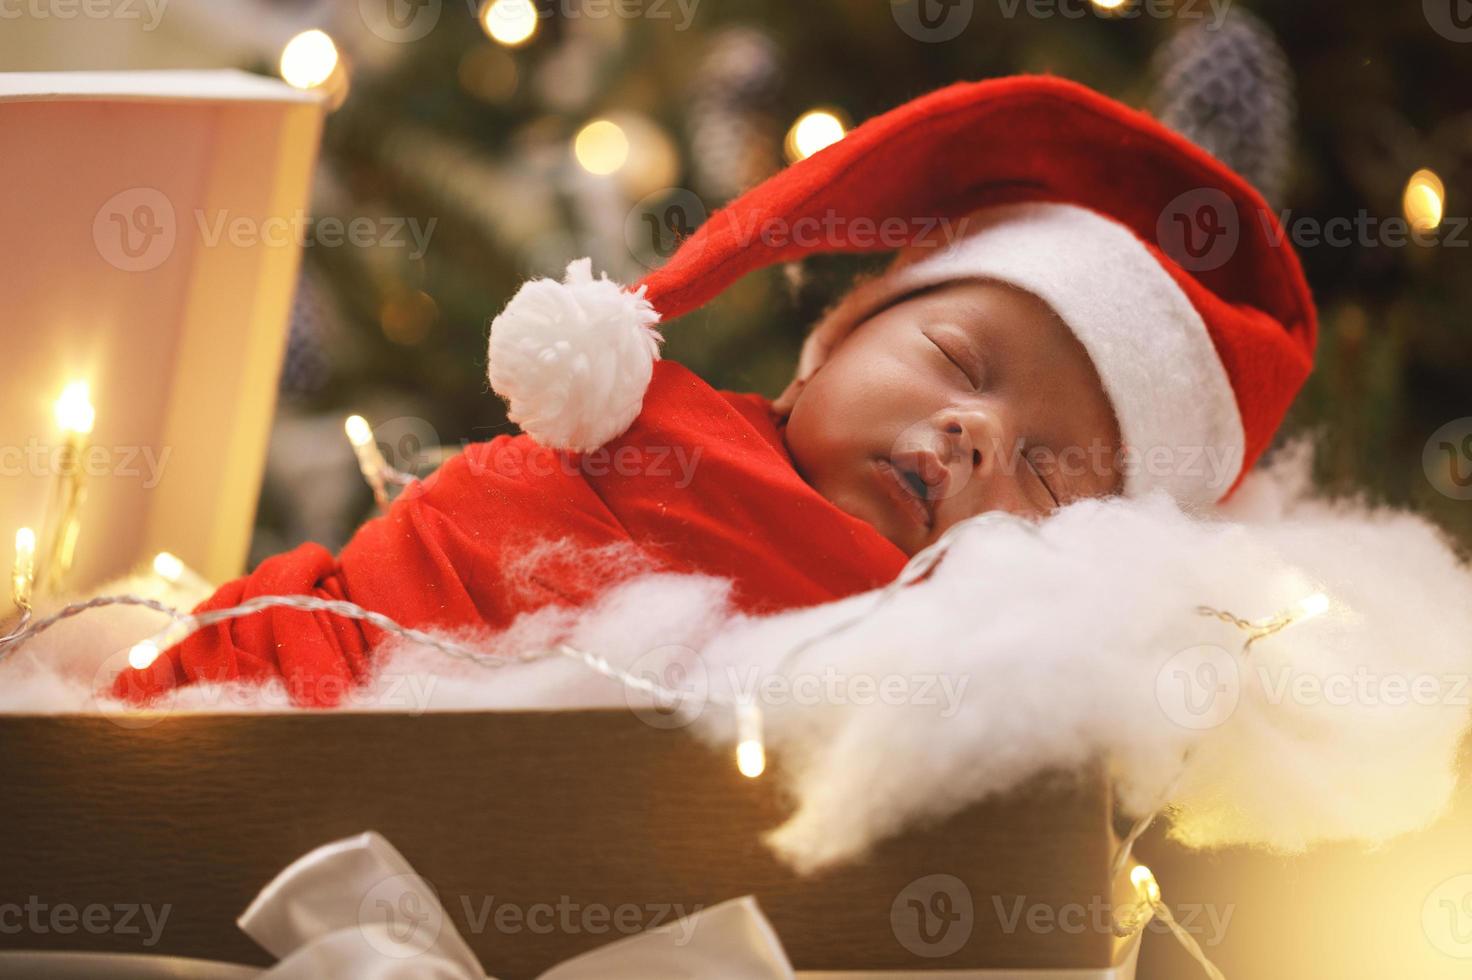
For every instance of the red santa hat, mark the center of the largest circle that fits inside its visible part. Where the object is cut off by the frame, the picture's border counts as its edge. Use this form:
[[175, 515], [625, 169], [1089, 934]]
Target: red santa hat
[[1170, 269]]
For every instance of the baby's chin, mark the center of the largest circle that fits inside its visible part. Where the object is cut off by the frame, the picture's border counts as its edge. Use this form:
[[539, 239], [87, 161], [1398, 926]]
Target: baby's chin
[[864, 493], [854, 487]]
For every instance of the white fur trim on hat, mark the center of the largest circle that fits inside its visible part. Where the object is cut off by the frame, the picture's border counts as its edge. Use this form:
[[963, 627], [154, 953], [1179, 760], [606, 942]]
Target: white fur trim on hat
[[574, 358], [1174, 403]]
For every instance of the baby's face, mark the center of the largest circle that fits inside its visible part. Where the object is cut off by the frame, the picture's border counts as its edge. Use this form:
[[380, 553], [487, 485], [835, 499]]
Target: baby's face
[[966, 398]]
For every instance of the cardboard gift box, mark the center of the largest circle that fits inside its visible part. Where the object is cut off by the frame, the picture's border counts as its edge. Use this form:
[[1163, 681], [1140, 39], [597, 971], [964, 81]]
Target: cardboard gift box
[[545, 834], [149, 254]]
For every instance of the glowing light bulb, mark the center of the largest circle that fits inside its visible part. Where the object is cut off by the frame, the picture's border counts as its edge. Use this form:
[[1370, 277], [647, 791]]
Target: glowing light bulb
[[1110, 6], [24, 573], [1310, 606], [601, 147], [168, 566], [370, 460], [171, 568], [358, 430], [751, 752], [751, 759], [509, 22], [309, 59], [143, 654], [25, 547], [74, 411], [1424, 200], [1145, 884], [812, 132]]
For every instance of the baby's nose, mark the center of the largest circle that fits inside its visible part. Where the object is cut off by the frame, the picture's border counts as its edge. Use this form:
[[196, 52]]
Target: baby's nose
[[974, 436]]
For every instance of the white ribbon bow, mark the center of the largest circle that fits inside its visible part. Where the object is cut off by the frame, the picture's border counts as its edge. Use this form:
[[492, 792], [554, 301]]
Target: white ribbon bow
[[355, 908]]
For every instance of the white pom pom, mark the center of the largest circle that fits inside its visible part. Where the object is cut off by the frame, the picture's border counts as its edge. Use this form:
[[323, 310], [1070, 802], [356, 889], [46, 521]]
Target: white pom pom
[[574, 358]]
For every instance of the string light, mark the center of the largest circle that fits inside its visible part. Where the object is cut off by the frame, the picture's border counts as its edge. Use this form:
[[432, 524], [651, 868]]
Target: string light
[[1145, 884], [509, 22], [1110, 6], [1424, 200], [601, 147], [358, 430], [1132, 918], [376, 471], [370, 461], [813, 131], [74, 412], [23, 576], [182, 627], [142, 654], [168, 567], [28, 631], [1311, 605], [75, 416], [309, 60], [751, 752], [171, 568]]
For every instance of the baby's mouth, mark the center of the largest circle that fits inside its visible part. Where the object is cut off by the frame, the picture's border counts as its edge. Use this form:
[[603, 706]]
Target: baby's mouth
[[908, 491], [917, 486]]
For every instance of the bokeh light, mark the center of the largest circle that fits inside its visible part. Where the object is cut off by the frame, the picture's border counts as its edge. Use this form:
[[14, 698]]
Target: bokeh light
[[601, 147], [509, 22], [1424, 200], [814, 131], [406, 318], [309, 60], [488, 73]]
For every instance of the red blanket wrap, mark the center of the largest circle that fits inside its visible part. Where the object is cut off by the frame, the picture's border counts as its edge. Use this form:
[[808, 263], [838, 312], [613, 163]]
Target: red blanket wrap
[[701, 483]]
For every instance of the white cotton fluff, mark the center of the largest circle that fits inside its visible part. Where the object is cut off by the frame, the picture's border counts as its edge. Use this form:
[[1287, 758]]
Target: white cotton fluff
[[574, 358], [1031, 649], [1071, 643], [70, 666]]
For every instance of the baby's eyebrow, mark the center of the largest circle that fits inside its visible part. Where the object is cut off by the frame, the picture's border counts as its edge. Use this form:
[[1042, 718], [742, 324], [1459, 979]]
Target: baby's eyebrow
[[896, 300]]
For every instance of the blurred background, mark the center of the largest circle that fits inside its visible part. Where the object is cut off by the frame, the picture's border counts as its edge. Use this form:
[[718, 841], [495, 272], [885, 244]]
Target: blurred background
[[479, 143], [475, 144]]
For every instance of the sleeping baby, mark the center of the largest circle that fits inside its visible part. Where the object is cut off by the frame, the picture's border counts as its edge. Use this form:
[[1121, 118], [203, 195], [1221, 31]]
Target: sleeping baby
[[1111, 311]]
